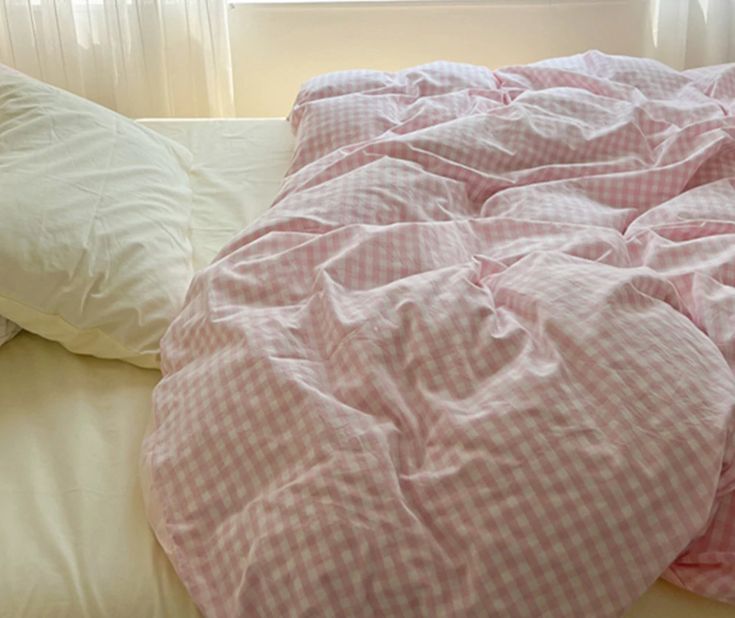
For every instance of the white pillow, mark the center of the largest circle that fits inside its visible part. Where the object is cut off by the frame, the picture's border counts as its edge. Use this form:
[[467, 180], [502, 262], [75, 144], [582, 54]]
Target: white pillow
[[94, 223], [8, 330]]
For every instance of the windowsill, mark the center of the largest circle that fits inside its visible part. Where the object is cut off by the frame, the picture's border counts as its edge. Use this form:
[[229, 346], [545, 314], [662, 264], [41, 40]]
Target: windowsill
[[236, 3], [498, 3]]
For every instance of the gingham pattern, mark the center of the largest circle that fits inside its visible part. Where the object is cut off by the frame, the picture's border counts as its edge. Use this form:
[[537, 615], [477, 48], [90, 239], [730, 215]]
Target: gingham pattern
[[477, 359]]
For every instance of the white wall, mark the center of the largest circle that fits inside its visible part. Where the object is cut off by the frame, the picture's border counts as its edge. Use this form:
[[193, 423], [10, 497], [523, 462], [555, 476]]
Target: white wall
[[276, 46]]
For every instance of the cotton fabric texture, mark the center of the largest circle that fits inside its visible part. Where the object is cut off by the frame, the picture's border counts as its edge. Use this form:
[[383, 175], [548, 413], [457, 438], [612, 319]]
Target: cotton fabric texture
[[476, 360], [95, 212]]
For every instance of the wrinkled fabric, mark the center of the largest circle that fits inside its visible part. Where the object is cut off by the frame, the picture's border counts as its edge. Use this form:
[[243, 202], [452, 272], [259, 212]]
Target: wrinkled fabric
[[8, 330], [477, 359]]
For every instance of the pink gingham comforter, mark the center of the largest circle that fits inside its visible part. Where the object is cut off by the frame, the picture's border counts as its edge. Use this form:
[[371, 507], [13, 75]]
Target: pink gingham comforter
[[477, 360]]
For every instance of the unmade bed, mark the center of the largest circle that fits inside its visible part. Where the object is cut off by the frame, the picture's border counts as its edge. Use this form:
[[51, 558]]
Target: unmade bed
[[73, 529], [72, 525]]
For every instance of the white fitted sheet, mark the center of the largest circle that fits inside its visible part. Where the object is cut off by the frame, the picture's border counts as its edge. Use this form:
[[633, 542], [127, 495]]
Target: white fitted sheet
[[74, 539], [238, 166]]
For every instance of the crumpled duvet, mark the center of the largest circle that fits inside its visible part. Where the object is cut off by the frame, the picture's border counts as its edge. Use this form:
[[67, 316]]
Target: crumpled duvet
[[476, 360]]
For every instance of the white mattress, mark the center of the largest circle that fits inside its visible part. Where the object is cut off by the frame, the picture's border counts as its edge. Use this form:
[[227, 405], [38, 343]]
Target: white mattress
[[73, 536]]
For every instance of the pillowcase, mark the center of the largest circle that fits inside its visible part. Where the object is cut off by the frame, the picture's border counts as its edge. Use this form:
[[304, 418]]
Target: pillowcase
[[94, 223], [8, 330]]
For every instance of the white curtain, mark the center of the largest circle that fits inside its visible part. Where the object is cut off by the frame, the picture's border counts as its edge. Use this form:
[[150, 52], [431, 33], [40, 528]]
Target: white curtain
[[691, 33], [139, 57]]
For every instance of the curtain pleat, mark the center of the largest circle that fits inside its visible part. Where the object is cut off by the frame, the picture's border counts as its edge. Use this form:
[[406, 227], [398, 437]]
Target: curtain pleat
[[691, 33], [140, 57]]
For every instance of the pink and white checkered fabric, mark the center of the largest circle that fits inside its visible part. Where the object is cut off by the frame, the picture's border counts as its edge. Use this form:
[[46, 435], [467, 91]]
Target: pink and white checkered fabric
[[477, 359]]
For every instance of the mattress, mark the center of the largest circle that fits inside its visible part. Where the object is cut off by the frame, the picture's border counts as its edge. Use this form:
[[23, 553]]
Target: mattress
[[73, 533]]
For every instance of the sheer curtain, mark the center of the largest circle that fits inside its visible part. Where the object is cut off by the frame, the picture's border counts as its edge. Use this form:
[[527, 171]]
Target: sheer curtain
[[139, 57], [691, 33]]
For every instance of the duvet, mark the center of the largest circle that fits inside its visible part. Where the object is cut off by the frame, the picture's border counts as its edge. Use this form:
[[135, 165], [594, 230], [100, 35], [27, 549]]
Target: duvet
[[476, 360]]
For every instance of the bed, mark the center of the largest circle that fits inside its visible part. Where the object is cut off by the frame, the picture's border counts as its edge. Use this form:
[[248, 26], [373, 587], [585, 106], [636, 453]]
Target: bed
[[73, 528], [75, 537]]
